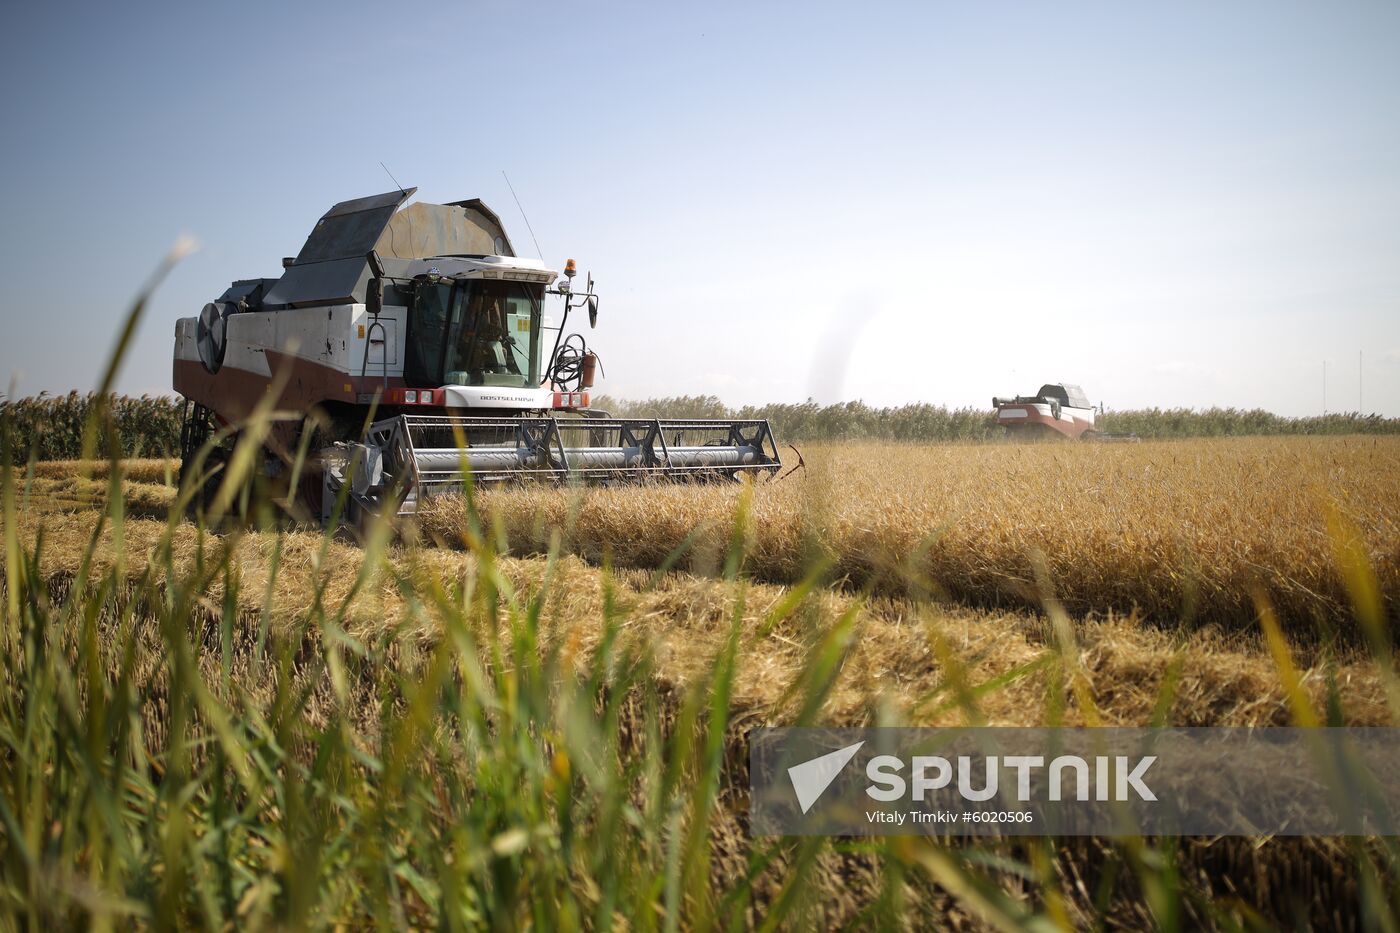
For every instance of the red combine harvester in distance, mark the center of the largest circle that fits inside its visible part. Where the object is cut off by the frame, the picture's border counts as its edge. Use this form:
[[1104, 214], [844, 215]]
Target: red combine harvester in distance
[[1057, 410]]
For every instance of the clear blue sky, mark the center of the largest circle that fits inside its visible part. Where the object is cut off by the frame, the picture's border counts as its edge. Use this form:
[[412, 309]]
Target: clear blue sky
[[1174, 204]]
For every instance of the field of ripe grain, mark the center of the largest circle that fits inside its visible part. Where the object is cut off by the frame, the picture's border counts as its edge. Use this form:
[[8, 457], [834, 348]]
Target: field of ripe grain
[[902, 657], [1181, 532]]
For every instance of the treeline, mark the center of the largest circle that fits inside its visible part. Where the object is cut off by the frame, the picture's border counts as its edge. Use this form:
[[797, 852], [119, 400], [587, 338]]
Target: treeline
[[1237, 422], [812, 422], [924, 422], [51, 426]]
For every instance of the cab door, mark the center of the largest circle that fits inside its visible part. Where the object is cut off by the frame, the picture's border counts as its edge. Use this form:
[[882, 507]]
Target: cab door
[[428, 316]]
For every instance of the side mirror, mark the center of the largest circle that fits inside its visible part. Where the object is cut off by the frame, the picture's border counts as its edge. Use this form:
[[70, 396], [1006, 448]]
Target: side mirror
[[374, 297], [374, 293], [592, 310]]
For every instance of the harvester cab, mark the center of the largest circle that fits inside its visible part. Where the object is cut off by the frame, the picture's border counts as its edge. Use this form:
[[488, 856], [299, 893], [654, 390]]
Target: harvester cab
[[412, 343]]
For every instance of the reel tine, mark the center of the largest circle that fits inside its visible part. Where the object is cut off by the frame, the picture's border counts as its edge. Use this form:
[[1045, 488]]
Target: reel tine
[[800, 465]]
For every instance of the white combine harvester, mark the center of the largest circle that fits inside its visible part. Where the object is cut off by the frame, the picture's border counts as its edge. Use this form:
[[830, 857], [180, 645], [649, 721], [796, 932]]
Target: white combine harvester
[[425, 316]]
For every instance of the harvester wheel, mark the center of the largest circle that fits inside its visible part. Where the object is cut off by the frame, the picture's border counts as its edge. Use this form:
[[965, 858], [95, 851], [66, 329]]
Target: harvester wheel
[[263, 493], [211, 476]]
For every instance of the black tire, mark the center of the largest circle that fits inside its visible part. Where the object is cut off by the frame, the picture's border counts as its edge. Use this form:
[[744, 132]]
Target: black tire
[[210, 478]]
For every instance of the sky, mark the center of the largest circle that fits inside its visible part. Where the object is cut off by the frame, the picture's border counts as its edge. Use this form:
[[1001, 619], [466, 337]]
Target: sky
[[1182, 204]]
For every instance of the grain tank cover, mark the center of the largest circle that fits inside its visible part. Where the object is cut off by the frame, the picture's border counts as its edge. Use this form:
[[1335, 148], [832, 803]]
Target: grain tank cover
[[463, 228], [331, 267], [1071, 396], [351, 228]]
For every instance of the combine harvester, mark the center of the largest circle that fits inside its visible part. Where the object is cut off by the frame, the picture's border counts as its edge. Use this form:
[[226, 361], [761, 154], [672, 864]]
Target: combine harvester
[[1057, 410], [425, 316]]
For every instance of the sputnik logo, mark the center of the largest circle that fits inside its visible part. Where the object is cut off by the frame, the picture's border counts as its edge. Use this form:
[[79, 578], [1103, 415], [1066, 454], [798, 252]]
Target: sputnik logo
[[811, 778]]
